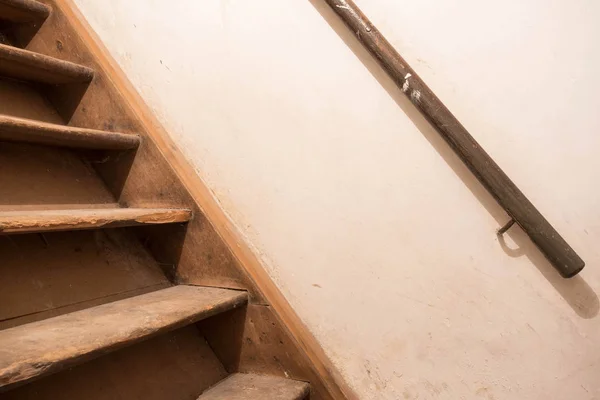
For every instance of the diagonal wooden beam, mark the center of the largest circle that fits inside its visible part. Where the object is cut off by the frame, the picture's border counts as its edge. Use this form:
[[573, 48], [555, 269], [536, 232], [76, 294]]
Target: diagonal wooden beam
[[564, 259]]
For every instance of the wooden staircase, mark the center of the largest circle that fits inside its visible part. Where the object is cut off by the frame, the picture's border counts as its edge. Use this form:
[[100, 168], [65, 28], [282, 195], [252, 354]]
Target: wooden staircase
[[114, 284]]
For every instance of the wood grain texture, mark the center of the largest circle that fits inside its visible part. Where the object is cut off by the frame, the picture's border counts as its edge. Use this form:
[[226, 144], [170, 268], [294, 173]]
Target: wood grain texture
[[59, 272], [256, 387], [214, 252], [30, 131], [178, 365], [41, 348], [78, 306], [23, 100], [34, 67], [64, 220], [42, 176], [203, 258], [253, 340], [23, 10]]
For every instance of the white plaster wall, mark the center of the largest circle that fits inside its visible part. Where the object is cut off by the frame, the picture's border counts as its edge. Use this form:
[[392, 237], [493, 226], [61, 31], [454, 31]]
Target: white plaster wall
[[378, 236]]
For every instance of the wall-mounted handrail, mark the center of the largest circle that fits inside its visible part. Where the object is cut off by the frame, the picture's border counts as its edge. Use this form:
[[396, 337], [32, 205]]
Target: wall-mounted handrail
[[498, 184]]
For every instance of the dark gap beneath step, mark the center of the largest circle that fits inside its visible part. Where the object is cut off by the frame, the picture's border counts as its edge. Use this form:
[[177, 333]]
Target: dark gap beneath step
[[18, 34]]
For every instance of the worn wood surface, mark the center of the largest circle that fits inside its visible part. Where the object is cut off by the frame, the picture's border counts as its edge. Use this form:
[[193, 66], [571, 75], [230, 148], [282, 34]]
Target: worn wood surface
[[23, 10], [78, 306], [31, 131], [62, 220], [41, 348], [253, 340], [204, 258], [178, 365], [68, 275], [256, 387], [23, 100], [213, 251], [44, 176], [20, 20], [34, 67], [55, 273], [485, 169]]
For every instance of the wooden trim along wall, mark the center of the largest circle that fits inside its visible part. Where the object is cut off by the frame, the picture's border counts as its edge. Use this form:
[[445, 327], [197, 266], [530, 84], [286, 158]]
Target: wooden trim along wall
[[206, 201]]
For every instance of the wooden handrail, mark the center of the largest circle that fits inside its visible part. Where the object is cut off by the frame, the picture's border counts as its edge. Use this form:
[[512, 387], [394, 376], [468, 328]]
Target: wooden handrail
[[497, 183]]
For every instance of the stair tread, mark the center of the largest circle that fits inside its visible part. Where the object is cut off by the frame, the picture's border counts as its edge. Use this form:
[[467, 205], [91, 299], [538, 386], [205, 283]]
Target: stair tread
[[44, 347], [22, 11], [34, 67], [256, 387], [29, 221], [30, 131]]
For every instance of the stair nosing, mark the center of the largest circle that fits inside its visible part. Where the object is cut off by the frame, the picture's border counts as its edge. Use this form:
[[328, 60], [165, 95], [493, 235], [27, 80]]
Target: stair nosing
[[24, 130], [30, 221], [27, 352], [66, 71]]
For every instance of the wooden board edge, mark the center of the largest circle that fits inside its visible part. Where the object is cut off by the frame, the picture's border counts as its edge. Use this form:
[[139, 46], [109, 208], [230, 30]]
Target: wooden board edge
[[207, 202]]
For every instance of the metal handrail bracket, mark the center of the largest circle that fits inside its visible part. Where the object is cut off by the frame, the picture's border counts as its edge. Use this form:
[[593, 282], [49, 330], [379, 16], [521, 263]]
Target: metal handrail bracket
[[497, 183]]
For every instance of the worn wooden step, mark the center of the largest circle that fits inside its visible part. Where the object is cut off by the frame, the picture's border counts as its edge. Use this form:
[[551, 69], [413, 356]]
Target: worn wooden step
[[176, 365], [257, 387], [44, 347], [29, 131], [34, 67], [23, 11], [31, 221]]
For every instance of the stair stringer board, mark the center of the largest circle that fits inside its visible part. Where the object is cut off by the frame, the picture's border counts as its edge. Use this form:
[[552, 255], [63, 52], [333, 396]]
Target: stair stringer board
[[210, 250]]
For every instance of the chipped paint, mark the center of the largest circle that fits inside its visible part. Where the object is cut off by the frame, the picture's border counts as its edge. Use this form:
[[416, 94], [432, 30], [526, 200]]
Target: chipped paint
[[405, 86], [415, 96], [345, 6]]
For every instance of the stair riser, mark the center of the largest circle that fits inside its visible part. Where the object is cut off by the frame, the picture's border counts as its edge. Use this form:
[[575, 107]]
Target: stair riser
[[47, 275], [81, 94]]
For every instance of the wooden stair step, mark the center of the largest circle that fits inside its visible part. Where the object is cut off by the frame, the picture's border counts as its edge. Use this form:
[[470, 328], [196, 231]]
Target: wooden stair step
[[34, 67], [30, 221], [41, 348], [257, 387], [29, 131], [23, 11]]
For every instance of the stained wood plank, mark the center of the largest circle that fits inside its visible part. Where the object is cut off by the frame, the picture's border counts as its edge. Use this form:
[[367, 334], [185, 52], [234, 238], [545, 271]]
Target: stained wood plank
[[34, 67], [41, 348], [256, 387], [65, 220], [30, 131], [42, 176], [253, 340], [24, 100], [23, 11], [204, 259], [177, 365], [211, 252], [73, 307], [48, 275]]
